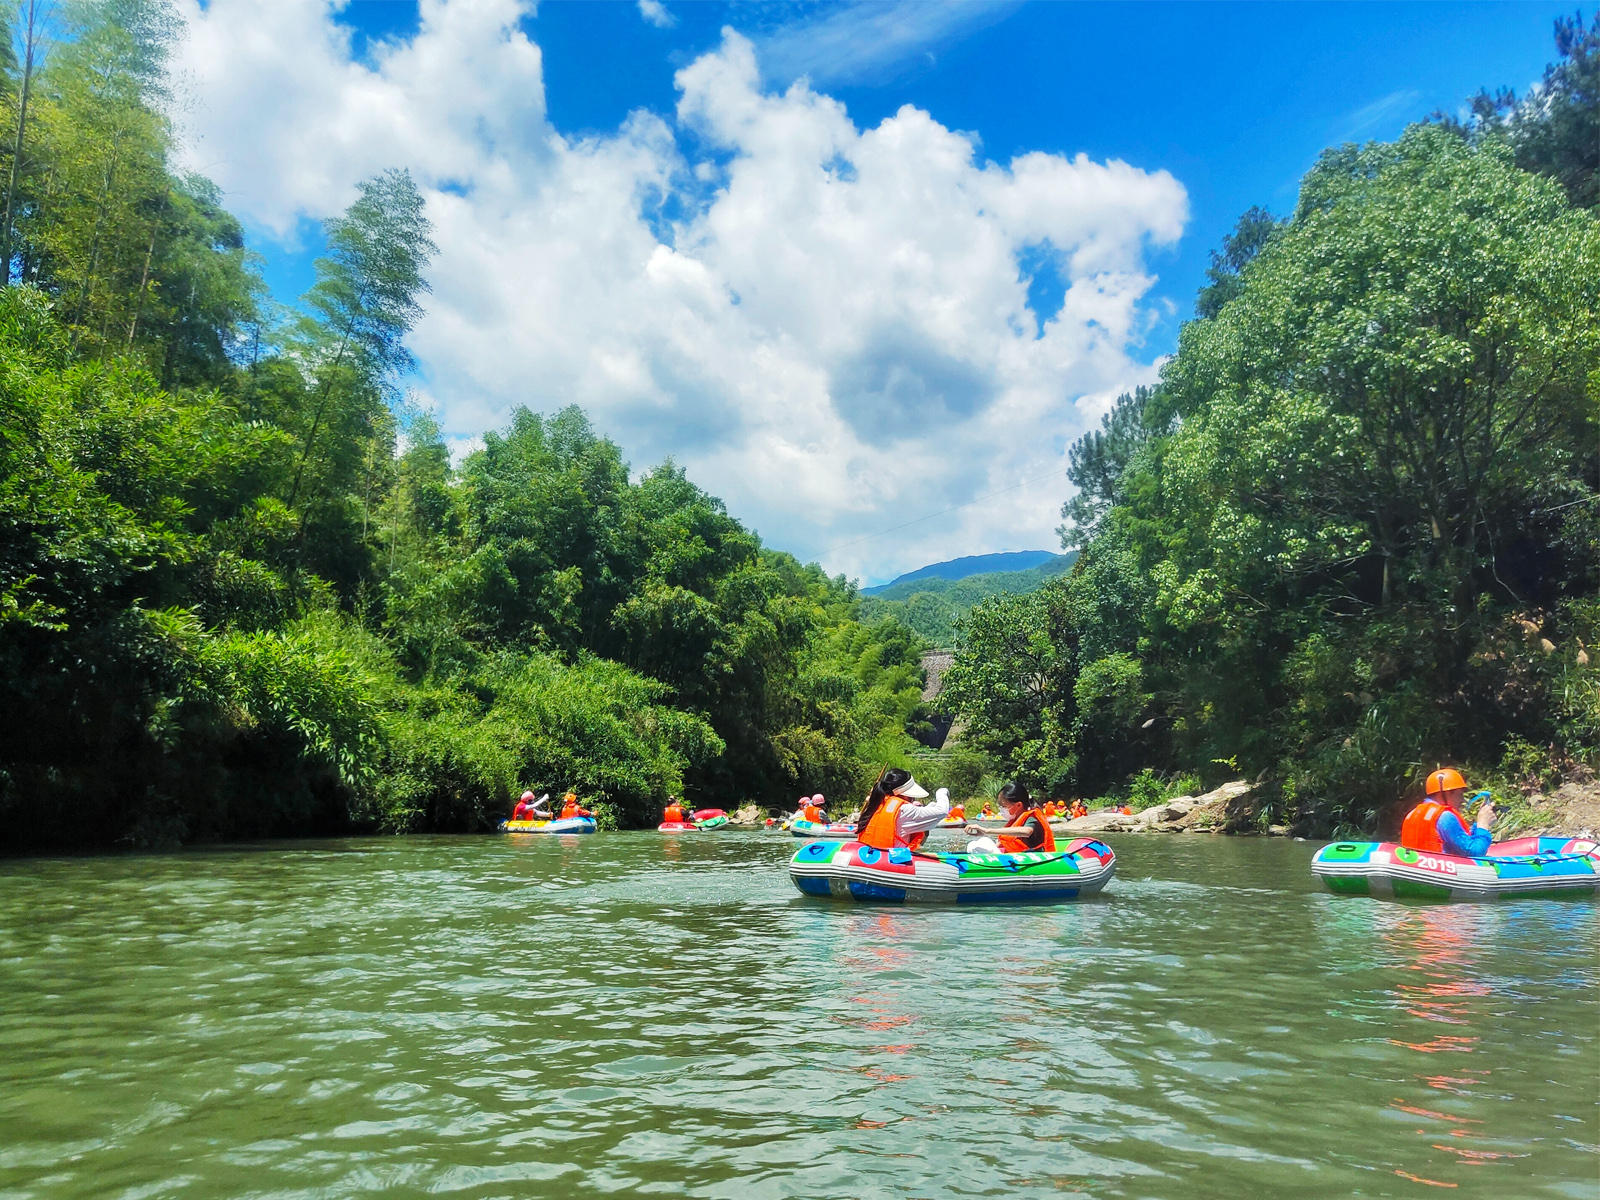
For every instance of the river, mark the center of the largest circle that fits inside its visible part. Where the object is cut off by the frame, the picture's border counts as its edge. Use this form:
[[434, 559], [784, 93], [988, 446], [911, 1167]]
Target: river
[[637, 1014]]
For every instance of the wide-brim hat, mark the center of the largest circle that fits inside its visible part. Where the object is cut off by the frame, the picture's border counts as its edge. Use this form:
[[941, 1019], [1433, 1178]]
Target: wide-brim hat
[[911, 790]]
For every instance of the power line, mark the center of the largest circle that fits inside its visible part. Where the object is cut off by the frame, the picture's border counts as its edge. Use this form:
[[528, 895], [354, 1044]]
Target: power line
[[942, 512]]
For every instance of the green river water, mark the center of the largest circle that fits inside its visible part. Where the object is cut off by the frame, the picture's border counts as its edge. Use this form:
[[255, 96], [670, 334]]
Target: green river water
[[638, 1014]]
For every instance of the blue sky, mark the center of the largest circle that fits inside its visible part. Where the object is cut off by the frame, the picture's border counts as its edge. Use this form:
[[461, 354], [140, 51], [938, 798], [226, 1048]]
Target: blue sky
[[809, 307], [1236, 100]]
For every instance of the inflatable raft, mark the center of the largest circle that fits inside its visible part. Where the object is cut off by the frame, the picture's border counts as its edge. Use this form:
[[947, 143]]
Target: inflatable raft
[[1546, 866], [851, 871], [705, 818], [802, 828], [559, 825]]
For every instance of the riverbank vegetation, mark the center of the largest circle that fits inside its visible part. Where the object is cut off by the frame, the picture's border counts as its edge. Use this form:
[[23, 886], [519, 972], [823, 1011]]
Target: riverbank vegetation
[[1353, 531], [244, 591]]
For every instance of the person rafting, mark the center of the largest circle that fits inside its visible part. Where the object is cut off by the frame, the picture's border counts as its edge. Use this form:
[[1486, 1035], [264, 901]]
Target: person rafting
[[1027, 828], [529, 809], [811, 809], [570, 807], [1079, 809], [890, 818], [1438, 826], [674, 814]]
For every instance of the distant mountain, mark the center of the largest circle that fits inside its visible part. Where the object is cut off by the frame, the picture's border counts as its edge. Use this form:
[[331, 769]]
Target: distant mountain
[[932, 606], [976, 564]]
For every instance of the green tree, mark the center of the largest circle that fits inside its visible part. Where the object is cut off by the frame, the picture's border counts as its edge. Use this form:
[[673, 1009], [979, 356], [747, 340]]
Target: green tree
[[1555, 129], [364, 302]]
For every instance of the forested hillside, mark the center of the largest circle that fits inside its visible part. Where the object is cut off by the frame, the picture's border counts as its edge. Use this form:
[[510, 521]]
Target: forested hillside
[[935, 607], [243, 590], [1353, 532]]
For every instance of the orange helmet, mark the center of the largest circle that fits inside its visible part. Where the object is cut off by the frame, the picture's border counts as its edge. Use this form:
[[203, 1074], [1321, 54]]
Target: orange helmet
[[1443, 780]]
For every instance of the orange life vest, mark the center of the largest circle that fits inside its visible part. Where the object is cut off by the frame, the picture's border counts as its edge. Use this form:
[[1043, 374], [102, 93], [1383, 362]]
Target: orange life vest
[[1421, 828], [674, 814], [812, 813], [570, 809], [880, 831], [1015, 845], [1080, 809], [959, 812]]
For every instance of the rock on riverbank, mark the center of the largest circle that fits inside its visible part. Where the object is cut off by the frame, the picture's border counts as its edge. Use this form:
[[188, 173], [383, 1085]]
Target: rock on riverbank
[[1226, 810]]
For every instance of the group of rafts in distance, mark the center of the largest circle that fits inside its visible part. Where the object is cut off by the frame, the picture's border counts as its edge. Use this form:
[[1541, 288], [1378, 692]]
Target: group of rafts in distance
[[881, 856]]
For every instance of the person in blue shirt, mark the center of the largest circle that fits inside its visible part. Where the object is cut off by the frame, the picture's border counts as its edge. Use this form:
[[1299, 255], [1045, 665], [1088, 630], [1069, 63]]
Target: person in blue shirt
[[1438, 826]]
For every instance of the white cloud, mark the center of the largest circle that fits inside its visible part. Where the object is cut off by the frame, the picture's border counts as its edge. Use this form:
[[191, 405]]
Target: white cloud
[[855, 42], [656, 13], [831, 331]]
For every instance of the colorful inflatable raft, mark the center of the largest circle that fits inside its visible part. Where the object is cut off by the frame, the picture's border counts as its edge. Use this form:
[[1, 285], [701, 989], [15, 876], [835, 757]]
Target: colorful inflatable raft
[[559, 825], [705, 818], [803, 828], [1546, 866], [852, 871]]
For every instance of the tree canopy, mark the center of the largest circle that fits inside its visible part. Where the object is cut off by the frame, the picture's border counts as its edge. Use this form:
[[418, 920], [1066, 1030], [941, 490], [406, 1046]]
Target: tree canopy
[[1354, 531], [245, 587]]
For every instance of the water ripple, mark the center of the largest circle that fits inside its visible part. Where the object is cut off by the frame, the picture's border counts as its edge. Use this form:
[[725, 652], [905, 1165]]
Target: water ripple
[[634, 1015]]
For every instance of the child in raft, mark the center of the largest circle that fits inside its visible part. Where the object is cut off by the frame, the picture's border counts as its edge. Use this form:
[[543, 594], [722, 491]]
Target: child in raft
[[811, 810], [1027, 828], [891, 818], [571, 808]]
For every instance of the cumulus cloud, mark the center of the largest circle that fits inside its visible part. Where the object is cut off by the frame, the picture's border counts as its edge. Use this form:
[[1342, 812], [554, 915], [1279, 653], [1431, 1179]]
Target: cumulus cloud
[[828, 325]]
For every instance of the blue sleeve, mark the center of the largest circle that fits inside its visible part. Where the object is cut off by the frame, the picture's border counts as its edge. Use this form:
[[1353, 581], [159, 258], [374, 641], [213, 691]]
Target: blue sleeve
[[1459, 840]]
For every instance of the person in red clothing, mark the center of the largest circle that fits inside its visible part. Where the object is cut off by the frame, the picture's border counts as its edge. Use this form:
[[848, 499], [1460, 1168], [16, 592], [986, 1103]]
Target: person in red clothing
[[674, 814], [1438, 825], [529, 809]]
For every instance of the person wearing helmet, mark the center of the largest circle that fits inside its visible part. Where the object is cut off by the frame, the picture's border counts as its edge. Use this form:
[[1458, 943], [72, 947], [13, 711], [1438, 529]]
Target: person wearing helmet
[[1438, 825], [811, 809], [571, 808], [529, 809]]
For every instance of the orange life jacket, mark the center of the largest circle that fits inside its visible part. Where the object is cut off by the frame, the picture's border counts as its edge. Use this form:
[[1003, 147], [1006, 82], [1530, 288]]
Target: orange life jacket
[[570, 809], [880, 831], [1015, 845], [959, 812], [1080, 809], [1421, 828], [812, 813], [674, 814]]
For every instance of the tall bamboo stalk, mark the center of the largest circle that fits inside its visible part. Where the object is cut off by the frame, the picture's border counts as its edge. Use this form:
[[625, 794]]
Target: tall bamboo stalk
[[31, 42]]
